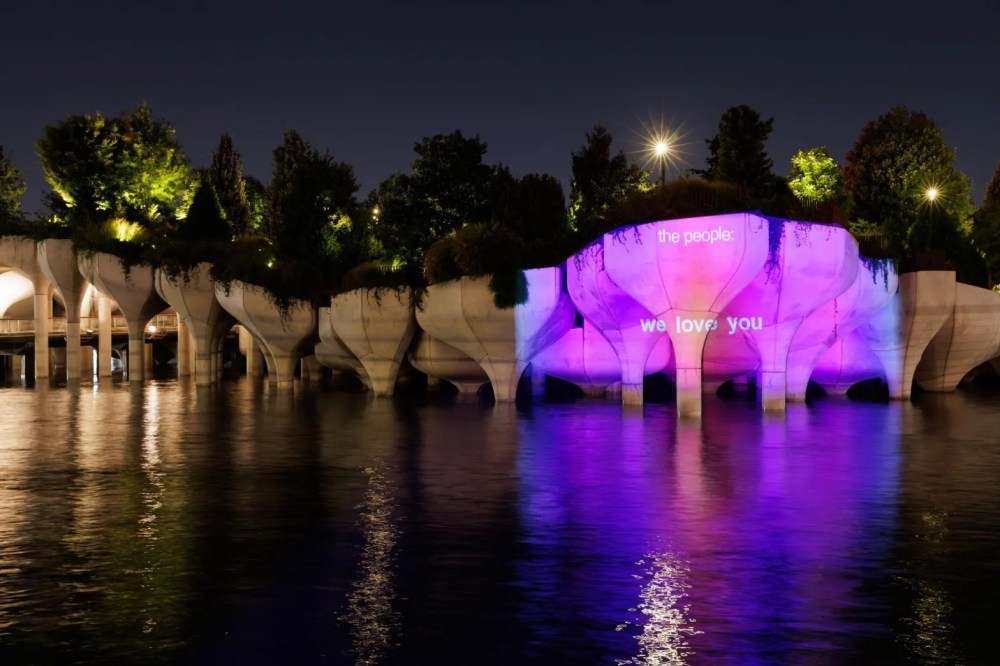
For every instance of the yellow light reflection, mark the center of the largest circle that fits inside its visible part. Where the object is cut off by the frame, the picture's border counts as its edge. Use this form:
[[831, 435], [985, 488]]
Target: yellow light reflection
[[370, 614], [667, 624]]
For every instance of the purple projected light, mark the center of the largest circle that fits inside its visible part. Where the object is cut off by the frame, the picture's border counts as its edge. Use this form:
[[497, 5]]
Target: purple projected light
[[715, 298]]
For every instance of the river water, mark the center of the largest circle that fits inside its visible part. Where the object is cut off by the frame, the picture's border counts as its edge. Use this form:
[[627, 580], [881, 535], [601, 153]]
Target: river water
[[238, 525]]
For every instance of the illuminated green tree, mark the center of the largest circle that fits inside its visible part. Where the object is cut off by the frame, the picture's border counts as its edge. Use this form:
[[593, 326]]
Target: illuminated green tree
[[600, 182], [226, 174], [815, 176], [127, 167], [894, 162], [12, 188]]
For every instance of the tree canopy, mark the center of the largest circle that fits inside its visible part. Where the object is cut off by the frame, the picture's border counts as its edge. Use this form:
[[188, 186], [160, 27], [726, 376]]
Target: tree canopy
[[12, 188], [313, 210], [600, 181], [986, 228], [891, 167], [737, 153], [815, 176], [127, 167], [448, 186], [226, 177]]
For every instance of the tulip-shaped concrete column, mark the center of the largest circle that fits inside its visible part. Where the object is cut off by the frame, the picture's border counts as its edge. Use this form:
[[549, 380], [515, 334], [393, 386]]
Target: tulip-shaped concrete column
[[331, 351], [462, 313], [810, 265], [135, 292], [629, 327], [970, 336], [251, 348], [377, 325], [283, 333], [685, 272], [58, 261], [192, 295], [585, 357], [873, 288], [439, 360], [850, 360]]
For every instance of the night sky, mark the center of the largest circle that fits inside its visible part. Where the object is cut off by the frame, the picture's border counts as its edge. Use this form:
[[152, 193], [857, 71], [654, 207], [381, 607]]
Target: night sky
[[366, 80]]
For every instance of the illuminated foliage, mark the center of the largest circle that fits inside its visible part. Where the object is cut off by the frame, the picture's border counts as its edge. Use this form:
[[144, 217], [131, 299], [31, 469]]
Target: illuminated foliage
[[101, 168], [12, 188], [226, 175], [600, 182], [895, 160], [815, 176], [737, 153]]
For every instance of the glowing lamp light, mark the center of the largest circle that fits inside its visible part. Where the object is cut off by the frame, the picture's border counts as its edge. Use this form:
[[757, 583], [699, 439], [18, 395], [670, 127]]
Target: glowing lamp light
[[932, 193], [661, 148]]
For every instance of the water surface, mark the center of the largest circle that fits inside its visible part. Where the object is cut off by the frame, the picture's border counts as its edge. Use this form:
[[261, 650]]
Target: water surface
[[169, 524]]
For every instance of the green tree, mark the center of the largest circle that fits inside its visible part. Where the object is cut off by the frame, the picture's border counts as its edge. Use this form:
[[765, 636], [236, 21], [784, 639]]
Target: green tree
[[533, 209], [889, 170], [227, 180], [102, 168], [12, 188], [600, 182], [205, 219], [313, 206], [986, 227], [448, 186], [815, 176], [258, 203], [737, 153]]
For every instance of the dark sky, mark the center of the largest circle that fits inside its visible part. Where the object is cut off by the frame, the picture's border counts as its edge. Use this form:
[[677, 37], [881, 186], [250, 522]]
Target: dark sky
[[365, 79]]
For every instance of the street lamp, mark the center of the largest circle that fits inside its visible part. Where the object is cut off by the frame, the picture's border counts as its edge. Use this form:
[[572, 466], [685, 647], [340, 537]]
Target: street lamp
[[932, 193], [660, 149]]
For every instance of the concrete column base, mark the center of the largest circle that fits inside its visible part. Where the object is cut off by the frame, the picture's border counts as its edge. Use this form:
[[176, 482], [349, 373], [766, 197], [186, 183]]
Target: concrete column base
[[772, 391], [103, 335], [73, 351], [689, 392], [136, 358]]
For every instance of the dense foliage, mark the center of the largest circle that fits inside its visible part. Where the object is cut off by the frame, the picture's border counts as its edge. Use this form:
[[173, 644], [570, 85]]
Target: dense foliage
[[129, 167], [226, 178], [815, 176], [600, 181], [890, 169], [12, 189], [737, 153]]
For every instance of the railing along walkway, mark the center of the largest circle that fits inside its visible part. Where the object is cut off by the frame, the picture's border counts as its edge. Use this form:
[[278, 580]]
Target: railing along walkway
[[157, 326]]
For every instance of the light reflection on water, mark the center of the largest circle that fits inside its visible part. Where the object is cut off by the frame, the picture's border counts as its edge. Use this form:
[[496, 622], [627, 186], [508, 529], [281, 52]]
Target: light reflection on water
[[370, 613], [170, 524]]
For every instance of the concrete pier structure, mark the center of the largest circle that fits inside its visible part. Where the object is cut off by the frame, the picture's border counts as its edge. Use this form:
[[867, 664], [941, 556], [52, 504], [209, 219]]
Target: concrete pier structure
[[462, 313], [285, 335], [192, 295], [57, 259], [377, 326], [685, 272], [135, 292], [440, 361]]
